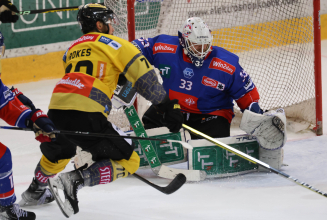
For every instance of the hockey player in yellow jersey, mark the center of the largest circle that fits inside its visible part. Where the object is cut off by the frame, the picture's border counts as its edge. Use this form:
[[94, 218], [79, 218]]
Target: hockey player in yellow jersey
[[81, 102]]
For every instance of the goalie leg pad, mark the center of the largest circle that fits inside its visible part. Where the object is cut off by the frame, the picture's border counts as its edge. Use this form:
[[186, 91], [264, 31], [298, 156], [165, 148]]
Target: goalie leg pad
[[269, 128], [272, 157]]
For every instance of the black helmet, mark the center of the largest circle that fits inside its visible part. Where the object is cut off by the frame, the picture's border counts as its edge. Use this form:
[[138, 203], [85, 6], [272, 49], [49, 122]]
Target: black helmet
[[89, 14]]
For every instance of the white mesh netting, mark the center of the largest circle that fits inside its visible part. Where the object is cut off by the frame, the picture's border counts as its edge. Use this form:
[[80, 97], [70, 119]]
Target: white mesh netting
[[273, 38]]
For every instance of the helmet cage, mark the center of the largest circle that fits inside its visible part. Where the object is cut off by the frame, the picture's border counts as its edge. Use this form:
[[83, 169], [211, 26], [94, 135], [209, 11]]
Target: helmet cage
[[196, 34]]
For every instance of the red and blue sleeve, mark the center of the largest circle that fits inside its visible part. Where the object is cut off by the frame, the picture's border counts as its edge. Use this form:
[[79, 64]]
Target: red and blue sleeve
[[12, 110], [243, 90]]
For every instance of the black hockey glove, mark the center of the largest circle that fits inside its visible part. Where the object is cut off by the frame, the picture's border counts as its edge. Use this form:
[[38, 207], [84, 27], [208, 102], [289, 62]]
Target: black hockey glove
[[121, 80], [172, 115], [8, 16], [26, 101], [43, 127], [9, 5]]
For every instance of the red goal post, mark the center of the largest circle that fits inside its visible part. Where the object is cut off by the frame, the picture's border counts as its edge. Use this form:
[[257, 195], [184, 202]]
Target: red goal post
[[278, 42]]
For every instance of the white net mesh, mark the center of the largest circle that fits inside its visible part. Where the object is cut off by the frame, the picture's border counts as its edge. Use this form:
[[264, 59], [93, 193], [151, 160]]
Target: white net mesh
[[273, 38]]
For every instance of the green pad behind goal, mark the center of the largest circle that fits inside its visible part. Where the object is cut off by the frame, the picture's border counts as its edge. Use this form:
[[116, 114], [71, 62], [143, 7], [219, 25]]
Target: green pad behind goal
[[217, 162], [168, 153]]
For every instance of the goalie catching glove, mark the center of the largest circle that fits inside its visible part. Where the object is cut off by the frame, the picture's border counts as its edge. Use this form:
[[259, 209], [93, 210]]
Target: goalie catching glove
[[172, 116], [269, 128], [43, 127]]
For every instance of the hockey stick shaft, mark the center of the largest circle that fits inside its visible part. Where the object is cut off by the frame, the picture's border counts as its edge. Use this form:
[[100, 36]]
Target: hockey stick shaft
[[38, 11], [173, 186], [254, 160], [73, 8], [81, 133]]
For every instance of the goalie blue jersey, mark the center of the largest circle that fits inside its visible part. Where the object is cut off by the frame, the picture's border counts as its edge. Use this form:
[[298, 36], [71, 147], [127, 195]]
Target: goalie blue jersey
[[210, 89]]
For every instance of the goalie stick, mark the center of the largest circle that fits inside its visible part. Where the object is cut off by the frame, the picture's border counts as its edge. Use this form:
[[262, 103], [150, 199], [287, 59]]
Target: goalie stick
[[82, 133], [254, 160], [38, 11]]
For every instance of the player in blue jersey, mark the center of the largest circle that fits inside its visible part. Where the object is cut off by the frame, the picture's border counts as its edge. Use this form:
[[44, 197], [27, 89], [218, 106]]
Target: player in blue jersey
[[18, 110], [206, 80]]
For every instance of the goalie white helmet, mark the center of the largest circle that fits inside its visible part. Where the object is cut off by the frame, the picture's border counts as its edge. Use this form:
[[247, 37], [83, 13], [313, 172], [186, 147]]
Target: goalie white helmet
[[196, 39]]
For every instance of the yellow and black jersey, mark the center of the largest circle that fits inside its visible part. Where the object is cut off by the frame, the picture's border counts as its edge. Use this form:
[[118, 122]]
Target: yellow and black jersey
[[92, 65]]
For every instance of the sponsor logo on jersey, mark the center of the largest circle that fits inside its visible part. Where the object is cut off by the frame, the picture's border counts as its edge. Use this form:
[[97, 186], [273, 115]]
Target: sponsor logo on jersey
[[219, 64], [102, 66], [83, 39], [212, 83], [105, 175], [165, 70], [209, 82], [110, 42], [188, 73], [7, 93], [189, 101], [73, 82], [105, 40], [164, 48]]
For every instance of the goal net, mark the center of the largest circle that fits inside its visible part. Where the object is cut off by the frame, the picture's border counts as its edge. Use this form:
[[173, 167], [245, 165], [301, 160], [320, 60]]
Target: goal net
[[273, 38]]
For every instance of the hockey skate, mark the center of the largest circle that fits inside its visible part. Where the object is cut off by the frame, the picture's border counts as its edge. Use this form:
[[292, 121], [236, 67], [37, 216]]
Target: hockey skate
[[70, 183], [36, 195], [14, 212]]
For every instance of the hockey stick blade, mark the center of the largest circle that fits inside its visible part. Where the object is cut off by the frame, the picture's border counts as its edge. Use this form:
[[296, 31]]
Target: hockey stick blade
[[82, 133], [173, 186]]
